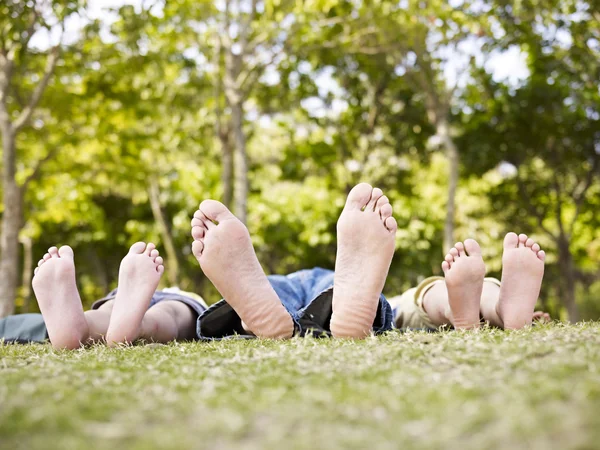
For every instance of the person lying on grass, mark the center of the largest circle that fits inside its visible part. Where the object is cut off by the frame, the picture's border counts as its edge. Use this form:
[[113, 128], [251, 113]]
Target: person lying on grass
[[135, 310], [464, 297]]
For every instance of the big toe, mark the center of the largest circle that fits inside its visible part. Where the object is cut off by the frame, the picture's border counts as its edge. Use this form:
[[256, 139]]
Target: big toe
[[215, 211], [138, 248], [472, 247], [511, 240], [66, 252], [359, 196]]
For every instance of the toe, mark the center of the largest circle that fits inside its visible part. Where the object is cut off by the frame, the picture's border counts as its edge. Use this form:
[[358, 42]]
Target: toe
[[522, 240], [383, 200], [391, 224], [511, 240], [196, 223], [40, 262], [159, 261], [215, 211], [198, 232], [149, 248], [138, 248], [359, 196], [160, 269], [37, 269], [542, 255], [53, 251], [154, 254], [66, 252], [449, 258], [445, 267], [197, 247], [385, 211], [47, 256], [472, 247], [536, 248], [529, 243], [376, 194], [454, 252], [460, 247]]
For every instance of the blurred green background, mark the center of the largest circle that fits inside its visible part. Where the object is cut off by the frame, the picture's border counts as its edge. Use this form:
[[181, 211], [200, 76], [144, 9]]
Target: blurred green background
[[475, 117]]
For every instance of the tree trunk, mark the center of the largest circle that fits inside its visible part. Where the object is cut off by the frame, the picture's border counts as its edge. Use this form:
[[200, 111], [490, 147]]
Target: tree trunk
[[568, 275], [27, 272], [172, 266], [453, 156], [222, 132], [227, 173], [240, 159], [11, 225]]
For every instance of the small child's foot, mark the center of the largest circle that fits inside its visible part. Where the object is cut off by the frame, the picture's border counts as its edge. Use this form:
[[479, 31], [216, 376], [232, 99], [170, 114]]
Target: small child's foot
[[366, 241], [522, 273], [139, 275], [464, 271], [56, 292], [223, 247]]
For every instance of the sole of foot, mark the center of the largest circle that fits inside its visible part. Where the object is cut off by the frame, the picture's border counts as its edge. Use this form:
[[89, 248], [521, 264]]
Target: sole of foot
[[464, 271], [366, 234], [522, 274], [139, 274], [56, 291], [223, 247]]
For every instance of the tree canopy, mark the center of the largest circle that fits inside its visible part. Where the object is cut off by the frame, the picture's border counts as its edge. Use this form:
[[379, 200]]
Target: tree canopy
[[115, 126]]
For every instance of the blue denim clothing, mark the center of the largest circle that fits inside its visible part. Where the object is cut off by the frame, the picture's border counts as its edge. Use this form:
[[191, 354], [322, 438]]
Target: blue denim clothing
[[307, 296]]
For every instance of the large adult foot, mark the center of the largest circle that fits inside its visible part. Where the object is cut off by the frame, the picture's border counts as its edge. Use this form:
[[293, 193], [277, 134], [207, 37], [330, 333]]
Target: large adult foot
[[366, 241], [139, 275], [223, 247], [464, 271], [55, 288], [522, 273]]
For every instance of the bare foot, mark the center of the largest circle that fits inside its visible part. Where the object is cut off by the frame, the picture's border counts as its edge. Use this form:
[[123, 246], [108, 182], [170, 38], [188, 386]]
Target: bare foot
[[464, 271], [223, 247], [56, 292], [522, 273], [366, 241], [139, 275]]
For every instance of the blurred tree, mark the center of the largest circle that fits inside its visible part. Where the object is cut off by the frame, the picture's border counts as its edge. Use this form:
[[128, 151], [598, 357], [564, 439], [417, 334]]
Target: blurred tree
[[548, 129], [431, 37], [139, 126], [23, 79], [240, 40]]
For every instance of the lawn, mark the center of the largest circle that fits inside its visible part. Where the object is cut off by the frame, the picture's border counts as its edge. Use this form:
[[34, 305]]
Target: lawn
[[538, 388]]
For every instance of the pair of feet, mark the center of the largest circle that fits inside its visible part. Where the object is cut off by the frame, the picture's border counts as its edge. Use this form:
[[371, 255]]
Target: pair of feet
[[365, 246], [55, 288], [522, 273]]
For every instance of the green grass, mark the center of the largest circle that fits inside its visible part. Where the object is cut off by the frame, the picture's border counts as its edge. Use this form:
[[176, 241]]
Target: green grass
[[537, 388]]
